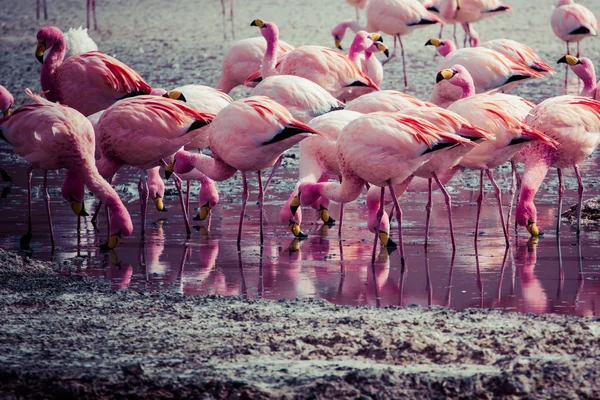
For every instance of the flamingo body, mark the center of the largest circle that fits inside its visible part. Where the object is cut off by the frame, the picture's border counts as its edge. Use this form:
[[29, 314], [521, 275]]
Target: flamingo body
[[573, 22]]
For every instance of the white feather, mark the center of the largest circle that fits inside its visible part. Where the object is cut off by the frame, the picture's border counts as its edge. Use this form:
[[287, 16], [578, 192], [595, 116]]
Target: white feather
[[78, 41]]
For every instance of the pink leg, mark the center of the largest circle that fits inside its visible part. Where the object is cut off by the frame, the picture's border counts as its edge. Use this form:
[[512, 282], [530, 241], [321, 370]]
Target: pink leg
[[245, 195], [187, 194], [387, 60], [578, 52], [561, 191], [379, 217], [403, 61], [37, 9], [499, 200], [428, 209], [479, 204], [231, 17], [25, 239], [454, 34], [177, 181], [399, 219], [580, 202], [513, 191], [260, 204], [45, 10], [448, 205], [94, 12], [277, 164], [224, 18], [567, 70], [47, 201], [143, 191], [467, 34]]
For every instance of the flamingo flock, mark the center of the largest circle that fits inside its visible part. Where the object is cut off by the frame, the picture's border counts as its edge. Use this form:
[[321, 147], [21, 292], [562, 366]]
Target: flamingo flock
[[354, 138]]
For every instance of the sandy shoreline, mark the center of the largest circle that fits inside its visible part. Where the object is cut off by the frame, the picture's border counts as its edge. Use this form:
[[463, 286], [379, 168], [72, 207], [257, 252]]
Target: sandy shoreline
[[73, 337]]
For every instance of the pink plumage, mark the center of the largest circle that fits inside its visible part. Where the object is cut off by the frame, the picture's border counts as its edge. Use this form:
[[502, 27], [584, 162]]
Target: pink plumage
[[6, 101]]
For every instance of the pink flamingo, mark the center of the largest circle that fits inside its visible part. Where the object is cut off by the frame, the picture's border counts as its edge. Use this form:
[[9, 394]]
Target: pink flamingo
[[334, 71], [584, 69], [382, 149], [488, 69], [318, 162], [444, 161], [466, 12], [248, 135], [50, 136], [6, 101], [304, 99], [89, 82], [501, 114], [361, 53], [157, 127], [224, 18], [398, 18], [574, 123], [244, 58]]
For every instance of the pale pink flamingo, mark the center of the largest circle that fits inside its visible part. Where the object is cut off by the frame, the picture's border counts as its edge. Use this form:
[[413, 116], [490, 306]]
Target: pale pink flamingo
[[511, 49], [370, 65], [330, 69], [318, 162], [223, 12], [89, 82], [501, 114], [438, 166], [385, 100], [574, 123], [398, 18], [50, 136], [6, 101], [488, 69], [382, 149], [434, 7], [584, 69], [244, 58], [358, 5], [466, 12], [140, 132], [304, 99], [248, 135]]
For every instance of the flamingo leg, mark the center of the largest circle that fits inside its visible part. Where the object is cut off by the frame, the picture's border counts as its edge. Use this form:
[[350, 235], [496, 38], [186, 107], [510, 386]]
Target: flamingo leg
[[467, 34], [567, 70], [37, 9], [357, 15], [580, 191], [479, 204], [87, 13], [448, 205], [390, 58], [224, 18], [260, 204], [428, 209], [341, 219], [96, 212], [187, 194], [272, 174], [143, 191], [25, 239], [513, 190], [45, 10], [245, 195], [561, 191], [403, 61], [177, 181], [399, 219], [231, 17], [454, 34], [47, 201], [379, 217], [499, 200], [94, 12]]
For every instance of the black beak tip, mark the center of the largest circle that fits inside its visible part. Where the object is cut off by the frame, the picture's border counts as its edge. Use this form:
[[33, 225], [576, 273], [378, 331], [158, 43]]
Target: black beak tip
[[387, 53], [391, 246], [563, 60], [429, 43], [167, 175], [40, 59], [253, 23], [302, 235], [104, 247], [84, 213], [197, 218], [340, 47], [439, 78]]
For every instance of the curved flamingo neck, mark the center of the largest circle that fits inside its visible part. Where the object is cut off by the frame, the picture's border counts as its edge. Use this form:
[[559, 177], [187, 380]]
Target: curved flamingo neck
[[564, 2], [213, 168], [468, 87], [53, 60], [447, 48], [270, 59], [349, 190], [589, 82], [73, 187]]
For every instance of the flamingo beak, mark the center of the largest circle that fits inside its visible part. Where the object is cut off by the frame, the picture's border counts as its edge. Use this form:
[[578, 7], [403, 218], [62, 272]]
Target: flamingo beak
[[338, 43], [433, 42], [295, 203], [7, 112], [113, 241], [159, 203], [39, 52], [444, 74], [376, 37], [78, 207], [324, 214], [258, 22], [386, 241], [176, 95], [203, 214], [169, 170], [533, 229], [569, 60], [295, 229]]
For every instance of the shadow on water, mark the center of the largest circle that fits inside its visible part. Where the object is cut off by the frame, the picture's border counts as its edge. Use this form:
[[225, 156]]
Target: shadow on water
[[549, 275]]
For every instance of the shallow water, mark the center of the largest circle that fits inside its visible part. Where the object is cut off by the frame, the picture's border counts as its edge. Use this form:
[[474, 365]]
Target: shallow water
[[174, 45]]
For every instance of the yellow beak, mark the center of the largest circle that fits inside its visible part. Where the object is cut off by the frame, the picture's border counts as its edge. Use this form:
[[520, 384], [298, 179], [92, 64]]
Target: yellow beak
[[39, 52], [338, 43], [295, 203], [78, 208], [533, 229], [433, 42], [295, 229], [113, 241], [175, 95], [169, 170], [7, 112], [258, 22], [203, 214], [324, 214], [159, 204], [376, 37]]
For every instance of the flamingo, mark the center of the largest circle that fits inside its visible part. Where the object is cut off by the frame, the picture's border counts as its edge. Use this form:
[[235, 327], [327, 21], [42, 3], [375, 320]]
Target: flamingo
[[370, 65], [88, 82], [50, 136], [445, 160], [334, 71], [574, 123], [398, 18], [243, 58], [500, 114], [434, 7], [382, 149], [488, 69], [141, 131], [224, 18], [304, 99], [248, 135], [584, 69], [318, 162], [466, 12], [358, 4]]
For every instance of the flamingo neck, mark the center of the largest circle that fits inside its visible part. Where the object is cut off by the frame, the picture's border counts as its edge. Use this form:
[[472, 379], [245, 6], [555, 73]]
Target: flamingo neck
[[468, 88], [208, 192], [349, 190], [214, 168], [535, 172], [73, 187], [53, 60], [354, 51], [270, 59], [354, 26], [589, 83]]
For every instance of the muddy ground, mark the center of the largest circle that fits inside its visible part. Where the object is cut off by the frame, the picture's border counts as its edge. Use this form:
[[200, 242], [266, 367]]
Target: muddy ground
[[72, 337]]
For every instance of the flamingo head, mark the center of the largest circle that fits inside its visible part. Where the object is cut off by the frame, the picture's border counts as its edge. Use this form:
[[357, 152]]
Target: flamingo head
[[268, 29], [444, 47], [183, 162], [48, 37], [363, 40], [158, 92], [583, 67], [73, 191], [457, 75], [339, 31], [6, 101], [120, 227], [564, 2], [379, 47], [175, 95], [308, 194], [526, 215]]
